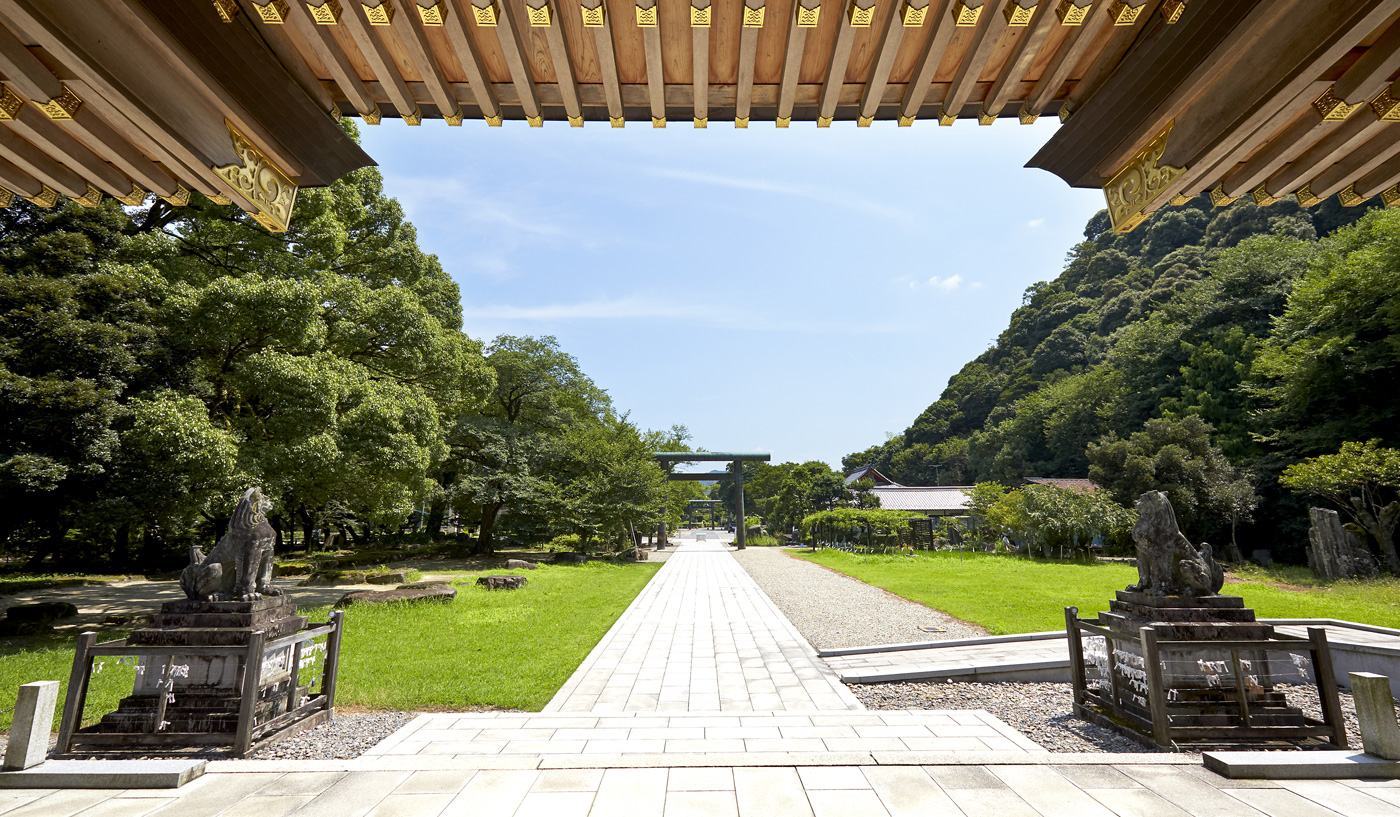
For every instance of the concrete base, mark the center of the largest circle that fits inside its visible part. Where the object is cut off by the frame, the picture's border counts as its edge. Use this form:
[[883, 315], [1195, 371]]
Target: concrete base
[[105, 774], [1333, 765]]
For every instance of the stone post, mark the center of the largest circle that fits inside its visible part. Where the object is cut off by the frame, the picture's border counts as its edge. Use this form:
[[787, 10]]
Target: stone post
[[33, 721], [742, 526], [1375, 713]]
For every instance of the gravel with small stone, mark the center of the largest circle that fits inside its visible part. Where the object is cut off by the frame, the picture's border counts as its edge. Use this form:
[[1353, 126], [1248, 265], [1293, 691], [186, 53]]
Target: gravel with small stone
[[345, 738]]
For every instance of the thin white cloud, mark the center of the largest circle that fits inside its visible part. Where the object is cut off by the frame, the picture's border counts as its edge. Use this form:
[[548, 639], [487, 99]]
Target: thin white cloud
[[631, 307], [826, 195], [1035, 222], [948, 284]]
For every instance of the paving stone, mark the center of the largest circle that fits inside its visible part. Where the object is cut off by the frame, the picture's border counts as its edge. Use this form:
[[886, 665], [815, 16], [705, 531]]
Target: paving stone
[[556, 804], [278, 805], [1135, 803], [764, 792], [631, 792], [1280, 803], [846, 803], [700, 780], [833, 777], [354, 794], [492, 793], [908, 791], [1342, 799], [435, 782], [1196, 797]]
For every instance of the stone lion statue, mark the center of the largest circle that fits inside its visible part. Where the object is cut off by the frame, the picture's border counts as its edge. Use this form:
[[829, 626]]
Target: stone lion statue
[[239, 568], [1168, 564]]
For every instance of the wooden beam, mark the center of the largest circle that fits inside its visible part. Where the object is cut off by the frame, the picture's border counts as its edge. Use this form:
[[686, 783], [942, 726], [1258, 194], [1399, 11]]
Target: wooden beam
[[455, 24], [700, 20], [800, 24], [381, 63], [840, 57], [46, 135], [509, 34], [287, 45], [649, 18], [558, 54], [752, 22], [1385, 176], [607, 57], [408, 25], [1356, 164], [1105, 61], [1023, 53], [984, 40], [40, 165], [1067, 56], [16, 181], [883, 63], [321, 42], [944, 26]]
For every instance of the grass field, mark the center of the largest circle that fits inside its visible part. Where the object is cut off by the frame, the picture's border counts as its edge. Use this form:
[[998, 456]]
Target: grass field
[[503, 650], [1015, 595]]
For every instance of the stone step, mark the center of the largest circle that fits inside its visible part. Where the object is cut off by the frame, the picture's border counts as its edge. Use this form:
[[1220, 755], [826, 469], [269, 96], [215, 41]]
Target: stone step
[[1181, 614], [213, 636], [1148, 600], [193, 606]]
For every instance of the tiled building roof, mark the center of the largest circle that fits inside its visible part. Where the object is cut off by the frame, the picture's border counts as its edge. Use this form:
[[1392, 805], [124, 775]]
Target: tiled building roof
[[939, 499]]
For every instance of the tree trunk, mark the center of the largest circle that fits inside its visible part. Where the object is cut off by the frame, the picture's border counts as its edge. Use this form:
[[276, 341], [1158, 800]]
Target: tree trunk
[[308, 526], [121, 547], [220, 528], [276, 523], [1381, 525], [433, 523], [484, 545]]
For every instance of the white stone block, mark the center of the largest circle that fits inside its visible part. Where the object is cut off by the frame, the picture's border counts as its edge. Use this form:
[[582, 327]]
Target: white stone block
[[33, 721], [1375, 714]]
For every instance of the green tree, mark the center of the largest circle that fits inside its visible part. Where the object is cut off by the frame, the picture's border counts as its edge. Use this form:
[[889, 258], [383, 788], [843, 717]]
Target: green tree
[[1363, 479]]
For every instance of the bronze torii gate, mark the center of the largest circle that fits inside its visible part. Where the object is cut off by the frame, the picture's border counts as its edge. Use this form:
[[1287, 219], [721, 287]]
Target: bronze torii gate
[[669, 459], [704, 505]]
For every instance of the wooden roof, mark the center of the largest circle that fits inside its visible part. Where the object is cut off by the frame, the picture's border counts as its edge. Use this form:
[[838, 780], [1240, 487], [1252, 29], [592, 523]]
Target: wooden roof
[[1163, 98]]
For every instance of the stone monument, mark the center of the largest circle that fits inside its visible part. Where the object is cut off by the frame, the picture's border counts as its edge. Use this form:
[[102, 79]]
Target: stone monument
[[1335, 552], [1173, 661], [222, 666]]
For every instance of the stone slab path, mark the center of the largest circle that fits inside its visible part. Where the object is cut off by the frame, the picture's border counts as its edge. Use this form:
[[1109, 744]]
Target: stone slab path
[[1033, 657]]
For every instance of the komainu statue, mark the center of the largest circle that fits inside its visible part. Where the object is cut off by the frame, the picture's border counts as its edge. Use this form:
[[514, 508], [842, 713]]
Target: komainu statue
[[239, 568], [1168, 564]]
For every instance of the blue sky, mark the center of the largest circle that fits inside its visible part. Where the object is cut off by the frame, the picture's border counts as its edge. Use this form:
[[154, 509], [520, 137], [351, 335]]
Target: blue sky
[[798, 291]]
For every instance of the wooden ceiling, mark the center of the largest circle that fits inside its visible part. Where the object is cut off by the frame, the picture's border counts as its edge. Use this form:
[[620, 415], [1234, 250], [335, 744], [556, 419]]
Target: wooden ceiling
[[1162, 98]]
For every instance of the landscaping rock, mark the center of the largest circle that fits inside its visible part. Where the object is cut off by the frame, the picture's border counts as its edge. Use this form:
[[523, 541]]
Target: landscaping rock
[[422, 585], [330, 578], [502, 582], [520, 564], [10, 627], [569, 558], [130, 619], [430, 592], [386, 578], [633, 555], [43, 612]]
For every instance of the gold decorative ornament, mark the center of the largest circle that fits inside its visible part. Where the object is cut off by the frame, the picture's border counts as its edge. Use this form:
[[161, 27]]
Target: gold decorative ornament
[[372, 117], [646, 18], [741, 122], [1261, 196], [64, 107], [136, 197], [576, 121], [326, 14], [1305, 196], [258, 181], [1391, 195], [1026, 117], [415, 118], [808, 17], [1386, 107], [1331, 108], [486, 15], [47, 197], [592, 17], [1349, 197], [274, 12], [823, 121], [699, 18], [702, 122], [964, 16], [1178, 200], [946, 120], [539, 17], [1220, 198], [753, 17], [493, 121], [914, 17], [782, 121], [434, 15], [219, 198], [7, 197], [1124, 14], [454, 118], [1018, 16], [859, 17], [535, 121], [984, 118], [181, 196], [10, 103], [1065, 113], [380, 15], [1139, 183], [906, 121], [864, 121], [1071, 14], [226, 9], [658, 121], [617, 121], [91, 198], [1172, 9]]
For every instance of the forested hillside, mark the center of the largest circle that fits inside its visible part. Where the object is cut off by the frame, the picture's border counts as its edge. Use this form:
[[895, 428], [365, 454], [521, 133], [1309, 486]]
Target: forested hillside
[[1276, 327]]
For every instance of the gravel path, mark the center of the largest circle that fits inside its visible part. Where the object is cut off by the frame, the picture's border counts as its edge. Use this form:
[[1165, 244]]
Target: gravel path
[[832, 610], [344, 738]]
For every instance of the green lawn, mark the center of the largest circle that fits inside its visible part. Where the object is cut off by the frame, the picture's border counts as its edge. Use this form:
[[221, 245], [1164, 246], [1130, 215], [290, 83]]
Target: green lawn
[[1009, 594], [501, 649]]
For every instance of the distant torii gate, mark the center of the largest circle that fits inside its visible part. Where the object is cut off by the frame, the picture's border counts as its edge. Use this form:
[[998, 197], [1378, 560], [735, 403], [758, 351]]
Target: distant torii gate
[[704, 505], [668, 460]]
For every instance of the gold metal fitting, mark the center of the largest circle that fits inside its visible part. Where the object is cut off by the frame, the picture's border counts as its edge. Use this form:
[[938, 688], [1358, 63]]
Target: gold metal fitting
[[1332, 108], [136, 197], [860, 17], [906, 121], [1391, 195], [10, 103], [576, 121], [539, 17], [274, 12], [434, 15], [914, 17], [47, 197], [741, 122], [65, 106], [1172, 9], [964, 16], [753, 17], [592, 17], [219, 198], [658, 121], [1305, 196], [1349, 197], [702, 122], [1071, 14], [782, 121], [1065, 113], [823, 121], [1178, 200], [1385, 106], [1017, 15], [1124, 14], [487, 15], [91, 198], [700, 18], [864, 121], [1261, 196], [646, 18], [946, 120], [617, 121], [380, 15], [984, 118], [493, 121], [454, 118], [1026, 117], [808, 17], [1220, 198], [415, 118], [226, 9], [372, 117], [7, 197], [535, 121], [180, 197], [326, 14]]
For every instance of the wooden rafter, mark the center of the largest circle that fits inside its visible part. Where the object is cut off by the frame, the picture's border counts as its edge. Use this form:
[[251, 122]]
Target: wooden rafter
[[984, 41], [1357, 163], [1327, 151], [321, 42], [40, 165], [469, 57], [1066, 58], [560, 58], [700, 59], [934, 47], [792, 61], [881, 66], [835, 77], [287, 43], [1385, 176], [408, 25], [509, 34], [656, 78], [607, 61], [748, 58], [14, 179], [1106, 59], [1023, 53], [46, 135], [380, 61]]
